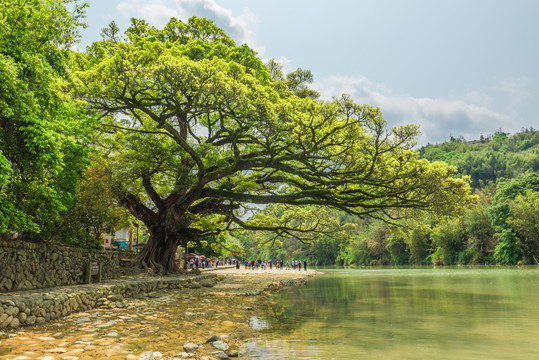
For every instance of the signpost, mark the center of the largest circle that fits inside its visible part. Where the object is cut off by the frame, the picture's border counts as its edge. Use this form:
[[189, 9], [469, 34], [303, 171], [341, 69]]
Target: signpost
[[93, 269]]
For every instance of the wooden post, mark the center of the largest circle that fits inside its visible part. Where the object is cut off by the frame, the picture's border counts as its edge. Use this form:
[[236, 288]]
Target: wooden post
[[88, 275], [94, 268], [99, 275]]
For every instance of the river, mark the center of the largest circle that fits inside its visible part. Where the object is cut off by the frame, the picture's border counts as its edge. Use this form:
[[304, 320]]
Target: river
[[414, 313]]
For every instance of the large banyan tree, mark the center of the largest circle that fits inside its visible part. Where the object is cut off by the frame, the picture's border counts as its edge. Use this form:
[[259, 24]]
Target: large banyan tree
[[197, 129]]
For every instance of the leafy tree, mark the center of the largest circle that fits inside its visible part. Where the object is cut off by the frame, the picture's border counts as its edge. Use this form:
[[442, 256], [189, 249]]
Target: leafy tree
[[450, 240], [479, 233], [399, 251], [196, 131], [94, 212], [419, 243], [525, 221], [510, 216], [297, 82], [507, 191], [212, 247], [377, 242], [324, 251], [41, 157], [509, 249]]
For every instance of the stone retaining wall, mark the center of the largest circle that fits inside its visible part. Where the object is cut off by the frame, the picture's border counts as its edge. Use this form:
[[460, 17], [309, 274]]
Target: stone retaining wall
[[34, 307], [26, 265]]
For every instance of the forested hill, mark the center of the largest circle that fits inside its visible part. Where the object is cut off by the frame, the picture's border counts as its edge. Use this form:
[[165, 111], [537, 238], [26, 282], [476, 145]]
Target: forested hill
[[489, 158]]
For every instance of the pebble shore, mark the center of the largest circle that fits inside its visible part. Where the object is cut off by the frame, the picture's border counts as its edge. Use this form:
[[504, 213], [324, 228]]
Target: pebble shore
[[206, 318]]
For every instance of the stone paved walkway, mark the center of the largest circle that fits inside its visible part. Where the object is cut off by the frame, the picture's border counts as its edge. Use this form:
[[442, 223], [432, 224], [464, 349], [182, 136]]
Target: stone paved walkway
[[42, 305]]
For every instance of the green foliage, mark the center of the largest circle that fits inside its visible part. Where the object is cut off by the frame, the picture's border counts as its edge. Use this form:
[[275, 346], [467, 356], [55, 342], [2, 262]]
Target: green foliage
[[489, 159], [449, 239], [320, 247], [513, 218], [94, 212], [212, 247], [399, 251], [525, 222], [509, 249], [508, 190], [359, 254], [41, 155], [480, 234]]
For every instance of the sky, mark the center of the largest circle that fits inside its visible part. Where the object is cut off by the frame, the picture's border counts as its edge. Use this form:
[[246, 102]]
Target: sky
[[457, 68]]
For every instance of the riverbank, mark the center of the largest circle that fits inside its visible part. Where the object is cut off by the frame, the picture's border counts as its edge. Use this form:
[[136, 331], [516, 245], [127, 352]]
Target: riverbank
[[159, 323]]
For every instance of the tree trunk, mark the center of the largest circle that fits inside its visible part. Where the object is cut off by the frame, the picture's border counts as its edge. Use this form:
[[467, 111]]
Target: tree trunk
[[159, 254]]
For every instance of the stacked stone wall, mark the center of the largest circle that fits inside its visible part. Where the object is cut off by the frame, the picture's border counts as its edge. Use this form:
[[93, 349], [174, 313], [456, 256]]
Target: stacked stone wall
[[26, 265], [24, 308]]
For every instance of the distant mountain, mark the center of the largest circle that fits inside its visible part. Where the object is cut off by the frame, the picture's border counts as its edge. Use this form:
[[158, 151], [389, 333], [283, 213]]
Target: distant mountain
[[489, 158]]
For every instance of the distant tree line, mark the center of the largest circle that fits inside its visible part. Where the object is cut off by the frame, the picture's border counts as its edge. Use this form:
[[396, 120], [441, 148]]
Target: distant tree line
[[491, 158]]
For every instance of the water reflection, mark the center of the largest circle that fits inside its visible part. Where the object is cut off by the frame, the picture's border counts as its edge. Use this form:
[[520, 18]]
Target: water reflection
[[258, 323], [472, 313]]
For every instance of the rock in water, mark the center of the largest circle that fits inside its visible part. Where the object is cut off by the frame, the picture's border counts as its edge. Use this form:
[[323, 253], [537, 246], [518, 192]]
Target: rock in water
[[220, 354], [147, 355], [213, 338], [190, 347], [221, 345]]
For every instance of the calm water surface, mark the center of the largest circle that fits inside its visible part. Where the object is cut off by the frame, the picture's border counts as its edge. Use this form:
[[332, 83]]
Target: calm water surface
[[447, 313]]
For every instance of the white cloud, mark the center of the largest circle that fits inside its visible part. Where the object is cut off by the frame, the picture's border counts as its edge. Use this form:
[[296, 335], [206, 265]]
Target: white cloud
[[158, 13], [237, 27], [469, 116]]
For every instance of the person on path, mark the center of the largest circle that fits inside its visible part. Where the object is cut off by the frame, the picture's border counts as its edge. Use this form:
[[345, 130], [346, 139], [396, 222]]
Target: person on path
[[305, 264], [299, 265]]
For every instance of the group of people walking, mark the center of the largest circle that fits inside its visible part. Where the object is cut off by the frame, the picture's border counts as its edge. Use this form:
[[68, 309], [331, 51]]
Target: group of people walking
[[264, 264], [203, 263]]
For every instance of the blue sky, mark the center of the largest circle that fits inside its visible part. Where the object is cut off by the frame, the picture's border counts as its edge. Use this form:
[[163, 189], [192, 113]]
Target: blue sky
[[455, 67]]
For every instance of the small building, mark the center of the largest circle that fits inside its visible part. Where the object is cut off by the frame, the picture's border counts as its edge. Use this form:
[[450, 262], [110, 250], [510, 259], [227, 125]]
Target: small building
[[122, 239], [107, 240]]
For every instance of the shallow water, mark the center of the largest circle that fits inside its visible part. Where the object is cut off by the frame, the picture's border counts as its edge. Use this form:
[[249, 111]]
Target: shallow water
[[441, 313]]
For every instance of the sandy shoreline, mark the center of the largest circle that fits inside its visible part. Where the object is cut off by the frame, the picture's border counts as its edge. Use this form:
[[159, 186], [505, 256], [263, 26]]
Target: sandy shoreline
[[161, 324]]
